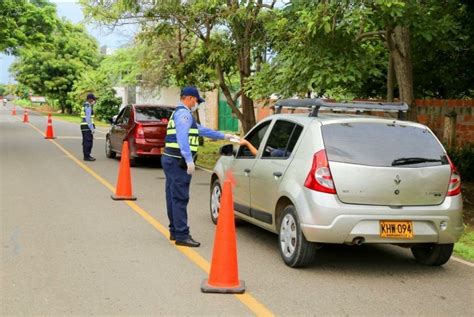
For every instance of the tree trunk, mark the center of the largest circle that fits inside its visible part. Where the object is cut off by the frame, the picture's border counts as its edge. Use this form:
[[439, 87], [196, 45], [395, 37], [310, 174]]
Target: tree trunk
[[248, 110], [248, 113], [390, 78], [398, 41]]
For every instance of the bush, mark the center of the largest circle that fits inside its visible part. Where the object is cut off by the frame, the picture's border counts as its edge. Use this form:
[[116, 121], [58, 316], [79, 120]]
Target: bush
[[463, 159], [107, 105], [22, 102]]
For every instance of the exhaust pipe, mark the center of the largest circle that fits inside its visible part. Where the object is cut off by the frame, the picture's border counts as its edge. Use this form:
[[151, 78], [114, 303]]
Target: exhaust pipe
[[358, 240]]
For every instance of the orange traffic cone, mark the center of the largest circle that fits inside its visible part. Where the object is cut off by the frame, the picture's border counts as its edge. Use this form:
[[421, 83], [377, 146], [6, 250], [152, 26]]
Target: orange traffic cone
[[224, 275], [123, 190], [49, 129], [25, 117], [14, 111]]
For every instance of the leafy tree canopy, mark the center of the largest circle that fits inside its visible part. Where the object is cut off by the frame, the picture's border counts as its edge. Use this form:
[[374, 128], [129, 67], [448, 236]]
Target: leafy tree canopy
[[201, 42], [51, 68], [25, 23]]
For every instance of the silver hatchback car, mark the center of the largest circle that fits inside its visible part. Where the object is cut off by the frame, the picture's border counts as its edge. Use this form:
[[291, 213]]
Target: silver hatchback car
[[345, 179]]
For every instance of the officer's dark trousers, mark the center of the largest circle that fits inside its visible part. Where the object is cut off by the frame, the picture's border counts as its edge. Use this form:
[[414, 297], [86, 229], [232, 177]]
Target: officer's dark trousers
[[177, 196], [87, 141]]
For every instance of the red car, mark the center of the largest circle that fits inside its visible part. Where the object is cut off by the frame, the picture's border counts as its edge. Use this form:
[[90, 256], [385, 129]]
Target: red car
[[144, 126]]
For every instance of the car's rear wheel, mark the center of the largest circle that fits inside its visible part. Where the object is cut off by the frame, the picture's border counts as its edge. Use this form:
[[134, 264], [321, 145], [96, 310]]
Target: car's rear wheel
[[295, 250], [133, 161], [108, 148], [432, 254], [215, 203]]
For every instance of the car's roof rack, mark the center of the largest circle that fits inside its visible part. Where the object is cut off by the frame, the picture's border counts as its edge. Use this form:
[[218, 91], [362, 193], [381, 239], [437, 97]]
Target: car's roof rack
[[317, 103]]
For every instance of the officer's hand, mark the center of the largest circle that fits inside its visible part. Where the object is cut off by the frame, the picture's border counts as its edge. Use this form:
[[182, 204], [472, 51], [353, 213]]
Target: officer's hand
[[228, 136], [92, 131], [191, 168]]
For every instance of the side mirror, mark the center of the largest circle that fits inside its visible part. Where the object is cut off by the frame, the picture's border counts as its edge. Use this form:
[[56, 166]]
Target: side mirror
[[227, 150], [112, 120]]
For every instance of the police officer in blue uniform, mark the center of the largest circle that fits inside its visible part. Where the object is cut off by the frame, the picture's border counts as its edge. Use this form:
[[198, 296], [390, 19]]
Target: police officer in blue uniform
[[88, 127], [182, 141]]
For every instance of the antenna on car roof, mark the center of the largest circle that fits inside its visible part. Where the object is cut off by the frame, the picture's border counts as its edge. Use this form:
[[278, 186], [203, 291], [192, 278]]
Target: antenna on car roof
[[316, 103]]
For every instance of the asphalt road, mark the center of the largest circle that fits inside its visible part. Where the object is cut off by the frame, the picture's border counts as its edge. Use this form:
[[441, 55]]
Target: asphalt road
[[68, 248]]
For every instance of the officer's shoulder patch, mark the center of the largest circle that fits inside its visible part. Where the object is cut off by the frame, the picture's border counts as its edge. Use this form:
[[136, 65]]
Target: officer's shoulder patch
[[185, 118]]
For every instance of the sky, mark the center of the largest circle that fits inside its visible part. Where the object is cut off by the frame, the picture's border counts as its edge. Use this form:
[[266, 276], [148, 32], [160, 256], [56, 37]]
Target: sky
[[71, 10]]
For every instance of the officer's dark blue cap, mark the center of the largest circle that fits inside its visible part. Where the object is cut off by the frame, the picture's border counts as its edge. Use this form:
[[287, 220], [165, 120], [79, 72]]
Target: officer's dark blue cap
[[91, 96], [192, 91]]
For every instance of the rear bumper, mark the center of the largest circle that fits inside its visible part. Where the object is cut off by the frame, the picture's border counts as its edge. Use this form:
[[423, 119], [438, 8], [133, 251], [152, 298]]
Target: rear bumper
[[330, 221], [142, 148]]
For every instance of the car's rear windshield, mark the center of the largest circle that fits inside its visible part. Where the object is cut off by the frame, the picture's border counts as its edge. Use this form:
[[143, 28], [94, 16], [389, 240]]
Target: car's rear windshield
[[382, 144], [152, 113]]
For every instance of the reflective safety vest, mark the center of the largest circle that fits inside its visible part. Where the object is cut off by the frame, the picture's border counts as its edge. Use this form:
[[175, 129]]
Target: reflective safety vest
[[84, 125], [172, 146]]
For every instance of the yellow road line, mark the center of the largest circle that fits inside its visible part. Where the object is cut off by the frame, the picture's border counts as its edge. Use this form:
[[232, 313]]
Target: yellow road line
[[247, 299]]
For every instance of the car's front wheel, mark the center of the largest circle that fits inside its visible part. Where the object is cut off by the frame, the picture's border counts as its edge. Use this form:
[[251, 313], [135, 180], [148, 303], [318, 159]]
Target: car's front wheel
[[215, 203], [432, 254], [295, 250], [108, 148]]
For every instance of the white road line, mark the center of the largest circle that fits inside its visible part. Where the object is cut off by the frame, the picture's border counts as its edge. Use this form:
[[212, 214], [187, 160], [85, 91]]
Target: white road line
[[78, 137], [204, 169], [462, 261]]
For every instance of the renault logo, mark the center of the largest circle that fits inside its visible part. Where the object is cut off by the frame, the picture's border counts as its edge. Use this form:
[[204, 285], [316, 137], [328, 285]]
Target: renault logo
[[397, 179]]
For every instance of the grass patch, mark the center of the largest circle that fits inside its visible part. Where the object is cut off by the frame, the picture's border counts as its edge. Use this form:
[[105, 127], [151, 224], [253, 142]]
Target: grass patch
[[77, 119], [208, 154], [22, 102], [47, 109], [465, 246]]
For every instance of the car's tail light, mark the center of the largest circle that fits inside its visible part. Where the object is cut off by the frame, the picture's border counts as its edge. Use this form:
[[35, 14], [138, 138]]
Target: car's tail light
[[139, 133], [455, 181], [319, 177], [164, 120]]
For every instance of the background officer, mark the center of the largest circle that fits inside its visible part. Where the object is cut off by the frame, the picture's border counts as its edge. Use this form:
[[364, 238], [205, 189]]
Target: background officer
[[88, 127], [182, 141]]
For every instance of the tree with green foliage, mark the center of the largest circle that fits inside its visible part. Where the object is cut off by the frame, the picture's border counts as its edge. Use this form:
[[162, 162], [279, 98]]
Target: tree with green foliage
[[206, 42], [122, 67], [25, 23], [443, 65], [352, 47], [51, 68]]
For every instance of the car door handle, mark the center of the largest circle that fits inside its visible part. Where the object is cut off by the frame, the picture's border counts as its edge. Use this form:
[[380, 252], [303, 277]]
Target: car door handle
[[246, 171], [277, 174]]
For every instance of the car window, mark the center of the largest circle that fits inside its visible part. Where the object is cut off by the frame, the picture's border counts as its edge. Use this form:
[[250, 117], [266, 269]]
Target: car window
[[282, 140], [382, 144], [124, 117], [255, 137], [152, 113], [120, 116]]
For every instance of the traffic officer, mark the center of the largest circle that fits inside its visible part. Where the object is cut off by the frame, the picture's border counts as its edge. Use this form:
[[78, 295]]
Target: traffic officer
[[182, 141], [88, 127]]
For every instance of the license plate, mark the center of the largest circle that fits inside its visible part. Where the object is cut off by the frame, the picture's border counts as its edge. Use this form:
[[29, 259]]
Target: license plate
[[396, 229]]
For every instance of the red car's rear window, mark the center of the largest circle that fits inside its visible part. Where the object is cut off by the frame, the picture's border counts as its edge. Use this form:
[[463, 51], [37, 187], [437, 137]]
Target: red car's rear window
[[152, 113]]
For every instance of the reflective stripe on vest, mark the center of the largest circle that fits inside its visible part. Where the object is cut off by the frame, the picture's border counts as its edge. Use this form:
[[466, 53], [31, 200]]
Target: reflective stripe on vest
[[172, 141], [83, 114]]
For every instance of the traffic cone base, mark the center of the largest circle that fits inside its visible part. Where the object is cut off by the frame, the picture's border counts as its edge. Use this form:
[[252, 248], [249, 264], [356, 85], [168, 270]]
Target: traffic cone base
[[115, 197], [238, 289], [14, 111], [123, 191]]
